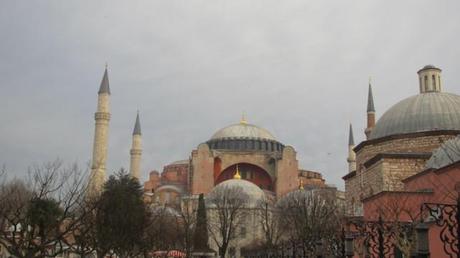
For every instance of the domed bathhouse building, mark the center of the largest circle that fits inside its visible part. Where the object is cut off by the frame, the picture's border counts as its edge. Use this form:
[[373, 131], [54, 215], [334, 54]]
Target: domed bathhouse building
[[403, 139]]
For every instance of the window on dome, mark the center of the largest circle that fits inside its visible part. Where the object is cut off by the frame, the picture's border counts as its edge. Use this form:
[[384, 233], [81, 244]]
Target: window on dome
[[433, 78], [426, 82]]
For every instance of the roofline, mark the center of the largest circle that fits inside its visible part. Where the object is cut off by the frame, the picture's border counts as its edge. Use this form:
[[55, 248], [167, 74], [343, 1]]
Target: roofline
[[349, 175], [380, 156], [404, 135], [369, 198], [421, 173], [429, 68]]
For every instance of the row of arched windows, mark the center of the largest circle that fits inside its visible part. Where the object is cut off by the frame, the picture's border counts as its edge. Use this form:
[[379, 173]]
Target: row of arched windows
[[245, 144]]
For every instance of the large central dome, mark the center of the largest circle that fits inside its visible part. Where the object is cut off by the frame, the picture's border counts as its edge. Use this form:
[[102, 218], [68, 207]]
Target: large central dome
[[243, 130], [244, 137], [429, 111]]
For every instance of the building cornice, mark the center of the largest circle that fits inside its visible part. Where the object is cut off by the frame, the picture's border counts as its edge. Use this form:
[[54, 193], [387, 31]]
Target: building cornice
[[405, 135], [380, 156], [349, 175]]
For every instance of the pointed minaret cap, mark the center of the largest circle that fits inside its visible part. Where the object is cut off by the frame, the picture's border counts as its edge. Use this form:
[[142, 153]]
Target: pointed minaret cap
[[137, 126], [351, 139], [104, 88], [370, 99]]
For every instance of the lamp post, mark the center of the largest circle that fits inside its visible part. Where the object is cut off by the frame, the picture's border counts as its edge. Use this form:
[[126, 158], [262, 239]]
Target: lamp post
[[349, 248], [423, 248], [319, 250]]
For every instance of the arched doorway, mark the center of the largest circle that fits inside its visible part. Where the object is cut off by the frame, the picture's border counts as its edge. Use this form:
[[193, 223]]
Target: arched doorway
[[250, 172]]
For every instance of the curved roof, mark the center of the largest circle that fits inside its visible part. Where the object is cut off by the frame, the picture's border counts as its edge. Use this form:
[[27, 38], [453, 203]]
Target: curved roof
[[253, 191], [180, 162], [448, 153], [243, 130], [430, 111]]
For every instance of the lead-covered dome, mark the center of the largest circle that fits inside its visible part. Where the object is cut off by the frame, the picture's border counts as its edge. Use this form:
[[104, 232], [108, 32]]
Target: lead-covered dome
[[428, 111], [232, 187], [243, 130], [244, 137]]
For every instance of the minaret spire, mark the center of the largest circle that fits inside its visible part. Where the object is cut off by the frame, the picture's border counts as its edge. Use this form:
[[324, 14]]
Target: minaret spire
[[370, 111], [105, 88], [101, 133], [351, 153], [137, 125], [370, 98], [136, 150]]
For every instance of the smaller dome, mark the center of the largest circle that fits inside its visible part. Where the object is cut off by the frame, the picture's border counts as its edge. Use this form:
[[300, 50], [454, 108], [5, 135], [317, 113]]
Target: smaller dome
[[243, 130], [295, 196], [429, 67], [424, 112], [253, 191], [448, 153]]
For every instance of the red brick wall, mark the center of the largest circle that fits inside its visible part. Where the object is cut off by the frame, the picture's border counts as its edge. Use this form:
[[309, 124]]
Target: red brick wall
[[248, 172]]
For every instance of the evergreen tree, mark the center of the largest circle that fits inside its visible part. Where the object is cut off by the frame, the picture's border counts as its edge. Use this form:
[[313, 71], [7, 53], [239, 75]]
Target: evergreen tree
[[200, 236], [121, 217]]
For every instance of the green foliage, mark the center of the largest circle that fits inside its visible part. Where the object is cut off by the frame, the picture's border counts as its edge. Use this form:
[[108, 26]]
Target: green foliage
[[200, 236], [44, 214], [121, 216]]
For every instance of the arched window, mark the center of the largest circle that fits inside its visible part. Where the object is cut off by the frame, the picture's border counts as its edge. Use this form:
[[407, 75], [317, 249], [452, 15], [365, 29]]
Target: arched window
[[433, 78], [426, 83]]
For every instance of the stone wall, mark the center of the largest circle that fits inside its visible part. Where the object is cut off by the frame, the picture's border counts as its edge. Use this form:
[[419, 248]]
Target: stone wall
[[387, 173], [287, 172]]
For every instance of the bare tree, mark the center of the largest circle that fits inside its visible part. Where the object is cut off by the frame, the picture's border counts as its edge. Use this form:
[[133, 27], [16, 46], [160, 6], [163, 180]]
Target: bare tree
[[270, 218], [227, 208], [165, 229], [310, 216], [38, 215]]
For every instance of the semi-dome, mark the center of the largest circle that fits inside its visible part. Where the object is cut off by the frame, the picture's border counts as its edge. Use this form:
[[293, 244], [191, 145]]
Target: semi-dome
[[448, 153], [243, 130], [250, 189], [428, 111]]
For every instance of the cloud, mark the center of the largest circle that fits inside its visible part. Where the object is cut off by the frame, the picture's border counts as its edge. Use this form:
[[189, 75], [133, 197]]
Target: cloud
[[297, 68]]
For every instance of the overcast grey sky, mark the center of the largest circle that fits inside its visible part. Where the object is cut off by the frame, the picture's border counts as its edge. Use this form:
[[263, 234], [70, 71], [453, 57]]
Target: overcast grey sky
[[297, 68]]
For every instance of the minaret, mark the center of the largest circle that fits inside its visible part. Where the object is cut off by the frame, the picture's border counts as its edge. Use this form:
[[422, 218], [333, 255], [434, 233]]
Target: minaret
[[136, 150], [370, 112], [430, 79], [351, 153], [101, 133]]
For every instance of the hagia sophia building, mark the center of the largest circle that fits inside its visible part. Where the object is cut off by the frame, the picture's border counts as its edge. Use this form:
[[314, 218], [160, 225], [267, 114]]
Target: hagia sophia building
[[259, 156], [396, 147]]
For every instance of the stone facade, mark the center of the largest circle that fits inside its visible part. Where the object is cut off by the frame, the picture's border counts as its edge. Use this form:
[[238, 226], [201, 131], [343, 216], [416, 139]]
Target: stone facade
[[383, 163], [136, 154]]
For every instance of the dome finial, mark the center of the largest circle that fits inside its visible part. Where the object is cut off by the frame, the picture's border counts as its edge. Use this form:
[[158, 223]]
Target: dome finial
[[300, 184], [237, 173], [243, 119]]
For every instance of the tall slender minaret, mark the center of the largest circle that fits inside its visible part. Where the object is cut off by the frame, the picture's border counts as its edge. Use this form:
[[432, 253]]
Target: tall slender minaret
[[101, 134], [370, 112], [351, 153], [136, 150]]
